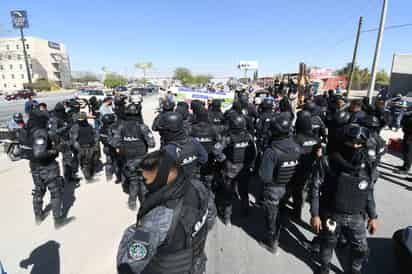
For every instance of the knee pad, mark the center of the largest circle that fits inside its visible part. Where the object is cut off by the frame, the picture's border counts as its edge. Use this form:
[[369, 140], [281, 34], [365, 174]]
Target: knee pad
[[360, 251]]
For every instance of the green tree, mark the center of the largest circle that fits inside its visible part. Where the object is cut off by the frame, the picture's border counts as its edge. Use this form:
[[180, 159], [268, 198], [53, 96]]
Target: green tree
[[113, 80], [88, 77], [201, 79], [183, 75], [382, 78]]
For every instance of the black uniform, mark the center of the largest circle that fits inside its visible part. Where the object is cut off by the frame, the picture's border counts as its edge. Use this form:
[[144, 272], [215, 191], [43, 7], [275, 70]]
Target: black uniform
[[344, 198], [105, 134], [407, 142], [308, 143], [44, 167], [237, 151], [205, 133], [171, 230], [132, 141], [249, 111], [84, 140], [59, 128], [187, 151], [263, 123], [216, 116], [279, 165]]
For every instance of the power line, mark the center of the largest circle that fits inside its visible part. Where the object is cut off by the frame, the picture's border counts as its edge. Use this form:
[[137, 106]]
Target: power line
[[389, 27]]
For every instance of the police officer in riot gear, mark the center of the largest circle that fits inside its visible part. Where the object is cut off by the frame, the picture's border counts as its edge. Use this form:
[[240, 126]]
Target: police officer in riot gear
[[406, 124], [342, 202], [60, 124], [132, 141], [249, 111], [376, 145], [183, 109], [309, 143], [187, 151], [335, 123], [263, 122], [204, 132], [105, 134], [318, 126], [172, 224], [237, 151], [44, 168], [279, 165], [167, 107], [85, 142], [216, 115]]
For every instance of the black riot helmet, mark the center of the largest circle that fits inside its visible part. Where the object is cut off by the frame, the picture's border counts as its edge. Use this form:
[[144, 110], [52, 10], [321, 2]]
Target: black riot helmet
[[133, 110], [237, 122], [310, 106], [59, 107], [244, 99], [216, 105], [109, 119], [355, 134], [171, 121], [18, 117], [38, 119], [341, 118], [267, 103], [280, 125], [168, 105], [371, 122], [304, 122]]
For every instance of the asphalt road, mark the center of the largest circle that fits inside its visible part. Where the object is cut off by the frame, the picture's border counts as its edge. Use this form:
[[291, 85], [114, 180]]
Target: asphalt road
[[8, 108], [89, 244]]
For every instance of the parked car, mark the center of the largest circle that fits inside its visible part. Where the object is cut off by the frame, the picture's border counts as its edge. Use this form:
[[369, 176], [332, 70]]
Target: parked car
[[86, 94], [121, 89], [141, 91], [21, 94]]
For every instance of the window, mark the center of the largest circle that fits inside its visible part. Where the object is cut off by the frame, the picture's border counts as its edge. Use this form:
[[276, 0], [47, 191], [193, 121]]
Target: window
[[7, 47], [1, 57], [31, 66], [1, 67], [17, 46], [5, 85], [3, 76], [22, 76], [11, 66], [12, 76], [21, 66], [18, 57], [27, 46], [9, 57]]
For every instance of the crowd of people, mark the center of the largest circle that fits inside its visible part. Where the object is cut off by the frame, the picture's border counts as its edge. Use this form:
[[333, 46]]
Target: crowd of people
[[326, 154]]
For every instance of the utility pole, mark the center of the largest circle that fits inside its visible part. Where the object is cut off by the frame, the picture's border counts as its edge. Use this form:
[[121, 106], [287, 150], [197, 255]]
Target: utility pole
[[355, 54], [26, 60], [377, 50]]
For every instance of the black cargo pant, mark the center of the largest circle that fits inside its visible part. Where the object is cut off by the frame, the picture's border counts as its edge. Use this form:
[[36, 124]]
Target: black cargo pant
[[353, 227], [68, 161], [47, 177], [229, 186], [134, 181], [273, 199], [109, 166], [407, 154]]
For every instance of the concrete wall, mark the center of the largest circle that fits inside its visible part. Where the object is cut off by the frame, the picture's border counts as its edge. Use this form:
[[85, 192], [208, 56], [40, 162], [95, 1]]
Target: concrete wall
[[401, 76]]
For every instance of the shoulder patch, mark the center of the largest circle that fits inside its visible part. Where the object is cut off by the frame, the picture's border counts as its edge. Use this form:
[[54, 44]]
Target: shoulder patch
[[137, 251]]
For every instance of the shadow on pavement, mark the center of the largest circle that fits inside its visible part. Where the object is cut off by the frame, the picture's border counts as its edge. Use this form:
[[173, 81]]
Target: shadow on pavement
[[69, 196], [44, 259], [389, 177]]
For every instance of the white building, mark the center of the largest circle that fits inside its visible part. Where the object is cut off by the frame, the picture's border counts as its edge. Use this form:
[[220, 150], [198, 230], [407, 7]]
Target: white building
[[47, 60]]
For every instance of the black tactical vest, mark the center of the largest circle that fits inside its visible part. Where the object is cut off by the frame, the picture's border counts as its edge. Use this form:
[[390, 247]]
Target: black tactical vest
[[351, 195], [204, 134], [286, 167], [236, 151], [41, 144], [185, 242], [86, 135], [132, 143]]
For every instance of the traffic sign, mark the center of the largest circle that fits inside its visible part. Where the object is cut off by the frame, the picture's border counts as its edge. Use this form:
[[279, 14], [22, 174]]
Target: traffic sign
[[19, 19]]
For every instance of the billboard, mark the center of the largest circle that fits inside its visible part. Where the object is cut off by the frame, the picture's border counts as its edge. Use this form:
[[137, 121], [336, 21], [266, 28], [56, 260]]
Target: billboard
[[54, 45], [19, 19], [316, 74], [248, 65]]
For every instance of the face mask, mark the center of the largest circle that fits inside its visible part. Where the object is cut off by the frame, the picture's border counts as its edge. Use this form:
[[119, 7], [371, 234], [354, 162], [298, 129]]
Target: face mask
[[68, 110], [162, 174]]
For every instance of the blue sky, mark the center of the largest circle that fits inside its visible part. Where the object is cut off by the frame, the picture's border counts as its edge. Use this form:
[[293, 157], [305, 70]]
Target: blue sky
[[212, 36]]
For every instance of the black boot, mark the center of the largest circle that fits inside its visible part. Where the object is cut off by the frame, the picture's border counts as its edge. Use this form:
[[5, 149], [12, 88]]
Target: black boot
[[355, 271], [132, 205], [323, 270], [227, 215], [39, 218], [272, 244], [62, 221]]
